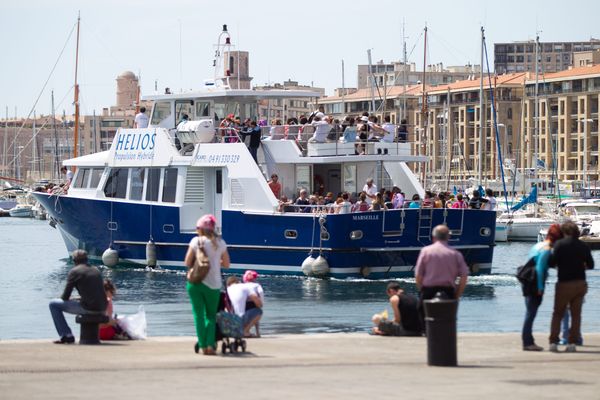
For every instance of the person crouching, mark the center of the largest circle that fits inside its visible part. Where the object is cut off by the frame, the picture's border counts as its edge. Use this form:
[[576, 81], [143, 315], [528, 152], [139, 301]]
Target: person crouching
[[240, 293]]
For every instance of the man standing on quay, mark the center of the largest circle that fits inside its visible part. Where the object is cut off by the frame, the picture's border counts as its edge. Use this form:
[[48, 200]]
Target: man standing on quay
[[438, 267]]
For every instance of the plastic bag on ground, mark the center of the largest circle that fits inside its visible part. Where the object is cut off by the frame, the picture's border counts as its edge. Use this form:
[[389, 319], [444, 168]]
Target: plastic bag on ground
[[135, 324]]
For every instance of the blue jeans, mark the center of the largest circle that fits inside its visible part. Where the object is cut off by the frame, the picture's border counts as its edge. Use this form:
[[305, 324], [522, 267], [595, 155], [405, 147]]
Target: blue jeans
[[60, 306], [532, 303], [249, 315]]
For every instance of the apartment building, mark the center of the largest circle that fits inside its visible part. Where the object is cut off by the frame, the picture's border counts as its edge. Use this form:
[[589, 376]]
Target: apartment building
[[387, 102], [448, 130], [567, 133], [553, 56], [397, 73]]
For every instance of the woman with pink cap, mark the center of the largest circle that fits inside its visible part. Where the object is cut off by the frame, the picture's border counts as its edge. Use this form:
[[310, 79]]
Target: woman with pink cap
[[205, 295]]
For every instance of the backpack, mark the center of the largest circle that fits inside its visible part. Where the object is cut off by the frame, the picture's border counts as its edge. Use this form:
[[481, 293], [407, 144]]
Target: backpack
[[527, 276]]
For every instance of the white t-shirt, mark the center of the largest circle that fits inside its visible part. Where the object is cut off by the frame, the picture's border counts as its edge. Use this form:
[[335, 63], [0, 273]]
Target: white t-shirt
[[345, 207], [141, 120], [322, 128], [213, 278], [372, 191], [69, 175], [390, 132], [238, 295], [491, 204]]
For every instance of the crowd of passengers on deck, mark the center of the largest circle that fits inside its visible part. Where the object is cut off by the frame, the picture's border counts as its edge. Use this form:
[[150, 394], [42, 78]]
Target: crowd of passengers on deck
[[371, 199], [317, 128]]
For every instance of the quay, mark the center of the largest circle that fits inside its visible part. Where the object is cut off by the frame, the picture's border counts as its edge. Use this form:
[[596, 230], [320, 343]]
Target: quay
[[320, 366]]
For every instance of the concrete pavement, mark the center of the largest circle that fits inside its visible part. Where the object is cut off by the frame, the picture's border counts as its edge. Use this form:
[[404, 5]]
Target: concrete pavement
[[491, 366]]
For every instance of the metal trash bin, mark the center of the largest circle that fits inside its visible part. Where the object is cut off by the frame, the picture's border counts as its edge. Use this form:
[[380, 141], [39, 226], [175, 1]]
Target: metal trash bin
[[440, 321]]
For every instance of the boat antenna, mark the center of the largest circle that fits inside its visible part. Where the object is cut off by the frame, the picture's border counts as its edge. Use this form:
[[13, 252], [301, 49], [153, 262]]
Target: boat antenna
[[76, 101]]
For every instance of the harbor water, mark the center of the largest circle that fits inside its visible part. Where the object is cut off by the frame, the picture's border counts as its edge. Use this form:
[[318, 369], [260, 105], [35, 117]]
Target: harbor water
[[34, 270]]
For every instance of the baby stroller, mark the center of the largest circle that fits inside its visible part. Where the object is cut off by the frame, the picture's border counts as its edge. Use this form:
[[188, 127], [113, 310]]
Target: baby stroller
[[230, 329]]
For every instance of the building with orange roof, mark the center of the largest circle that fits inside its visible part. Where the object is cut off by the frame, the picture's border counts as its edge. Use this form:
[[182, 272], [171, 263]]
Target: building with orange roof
[[448, 131], [568, 123]]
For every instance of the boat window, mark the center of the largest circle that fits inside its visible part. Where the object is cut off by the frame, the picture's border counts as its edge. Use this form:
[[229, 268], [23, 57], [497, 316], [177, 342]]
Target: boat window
[[116, 184], [96, 175], [219, 181], [152, 184], [169, 185], [81, 178], [183, 107], [222, 110], [162, 111], [291, 234], [202, 109], [356, 235], [137, 183]]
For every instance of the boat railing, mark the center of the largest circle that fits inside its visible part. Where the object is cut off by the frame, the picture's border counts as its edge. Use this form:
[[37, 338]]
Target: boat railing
[[337, 142]]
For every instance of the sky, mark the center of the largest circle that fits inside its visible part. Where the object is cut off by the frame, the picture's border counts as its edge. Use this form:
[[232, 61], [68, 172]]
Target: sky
[[305, 41]]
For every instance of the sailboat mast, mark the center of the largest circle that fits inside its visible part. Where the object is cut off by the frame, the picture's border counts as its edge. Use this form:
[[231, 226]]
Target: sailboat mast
[[33, 148], [404, 73], [76, 102], [481, 113], [424, 108], [5, 148], [56, 169], [372, 78], [343, 90], [535, 108]]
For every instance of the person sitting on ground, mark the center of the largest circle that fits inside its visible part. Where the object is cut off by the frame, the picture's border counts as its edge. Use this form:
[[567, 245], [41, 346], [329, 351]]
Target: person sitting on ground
[[249, 278], [460, 203], [361, 205], [302, 200], [88, 282], [110, 330], [416, 201], [239, 293], [406, 320]]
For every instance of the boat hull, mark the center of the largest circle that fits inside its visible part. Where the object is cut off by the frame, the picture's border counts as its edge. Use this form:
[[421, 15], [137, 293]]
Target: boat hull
[[385, 245]]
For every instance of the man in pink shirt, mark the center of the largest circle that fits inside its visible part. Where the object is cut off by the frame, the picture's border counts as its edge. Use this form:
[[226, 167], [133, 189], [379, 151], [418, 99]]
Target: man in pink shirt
[[438, 267]]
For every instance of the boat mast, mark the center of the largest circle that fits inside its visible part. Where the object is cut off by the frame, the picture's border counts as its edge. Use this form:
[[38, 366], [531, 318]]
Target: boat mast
[[56, 169], [481, 113], [4, 149], [403, 73], [76, 130], [343, 91], [372, 81], [33, 147], [535, 110], [424, 110]]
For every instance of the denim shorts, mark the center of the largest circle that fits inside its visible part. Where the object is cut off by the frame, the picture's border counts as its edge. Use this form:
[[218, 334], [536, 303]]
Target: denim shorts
[[249, 315]]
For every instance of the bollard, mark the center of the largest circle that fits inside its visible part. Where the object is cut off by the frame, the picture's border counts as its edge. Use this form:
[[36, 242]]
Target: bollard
[[89, 327], [440, 320]]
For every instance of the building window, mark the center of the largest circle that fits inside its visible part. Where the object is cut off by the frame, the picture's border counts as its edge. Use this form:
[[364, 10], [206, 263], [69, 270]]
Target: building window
[[116, 184]]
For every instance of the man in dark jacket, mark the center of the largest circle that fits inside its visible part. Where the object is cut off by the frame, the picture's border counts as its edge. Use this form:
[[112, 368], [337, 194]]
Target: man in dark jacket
[[571, 257], [88, 282]]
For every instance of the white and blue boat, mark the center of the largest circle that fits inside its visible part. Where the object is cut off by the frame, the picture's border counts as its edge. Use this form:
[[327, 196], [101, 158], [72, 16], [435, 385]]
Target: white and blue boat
[[150, 187], [145, 189]]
